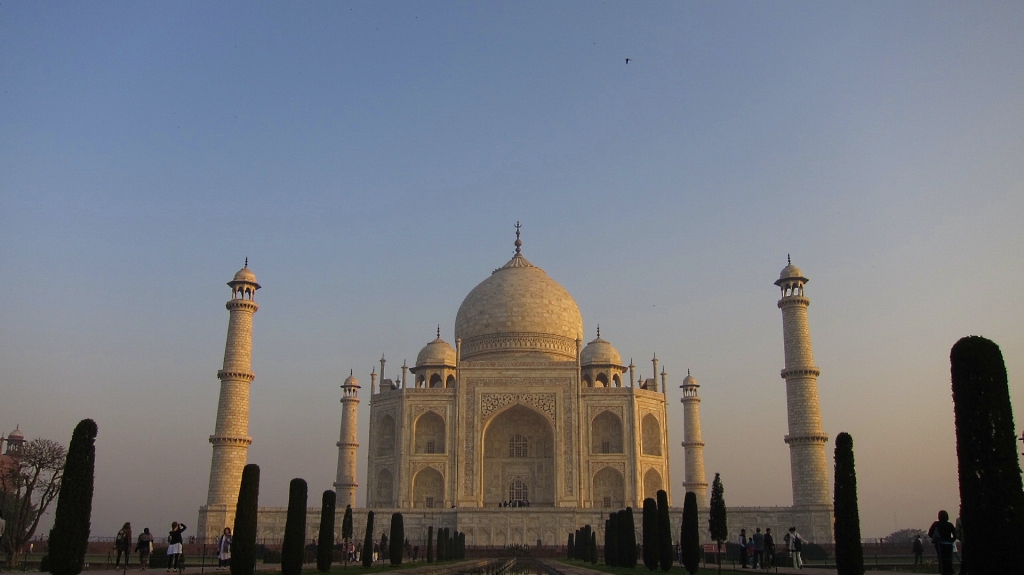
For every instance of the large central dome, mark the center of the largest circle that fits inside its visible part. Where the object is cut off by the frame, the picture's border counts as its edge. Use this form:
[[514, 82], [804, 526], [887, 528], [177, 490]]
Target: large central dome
[[519, 313]]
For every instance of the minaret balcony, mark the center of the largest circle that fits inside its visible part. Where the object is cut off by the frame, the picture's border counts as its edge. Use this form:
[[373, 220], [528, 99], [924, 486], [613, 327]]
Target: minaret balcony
[[802, 371], [235, 375]]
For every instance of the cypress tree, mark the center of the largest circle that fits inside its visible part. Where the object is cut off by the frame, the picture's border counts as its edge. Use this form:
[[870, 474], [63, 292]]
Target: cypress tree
[[440, 544], [666, 552], [570, 545], [243, 541], [690, 539], [397, 539], [607, 541], [69, 536], [650, 535], [614, 536], [294, 529], [717, 521], [367, 554], [325, 539], [461, 545], [346, 530], [849, 553], [593, 548], [629, 528], [991, 494], [384, 548], [430, 544]]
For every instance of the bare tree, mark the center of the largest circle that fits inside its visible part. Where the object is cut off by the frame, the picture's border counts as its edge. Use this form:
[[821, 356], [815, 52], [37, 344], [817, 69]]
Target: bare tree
[[29, 482]]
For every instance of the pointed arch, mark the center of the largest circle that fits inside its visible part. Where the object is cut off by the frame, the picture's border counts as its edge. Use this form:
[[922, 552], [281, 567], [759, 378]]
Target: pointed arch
[[609, 489], [428, 489], [652, 483], [650, 433], [429, 433], [385, 436], [384, 489]]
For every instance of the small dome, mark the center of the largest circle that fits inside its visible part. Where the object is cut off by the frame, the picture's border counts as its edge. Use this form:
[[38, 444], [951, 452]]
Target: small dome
[[16, 434], [791, 271], [437, 352], [350, 381], [689, 380], [245, 275], [600, 351]]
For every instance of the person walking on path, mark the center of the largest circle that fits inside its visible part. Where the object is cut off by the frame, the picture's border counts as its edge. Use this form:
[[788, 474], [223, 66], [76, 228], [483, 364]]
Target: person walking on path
[[769, 548], [224, 549], [743, 548], [943, 534], [123, 544], [758, 538], [796, 545], [918, 549], [144, 547], [174, 547], [3, 525]]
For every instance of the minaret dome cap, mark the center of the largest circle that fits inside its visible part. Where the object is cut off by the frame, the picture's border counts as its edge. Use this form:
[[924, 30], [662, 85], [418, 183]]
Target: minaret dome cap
[[244, 275], [689, 380], [350, 381], [791, 272], [600, 352]]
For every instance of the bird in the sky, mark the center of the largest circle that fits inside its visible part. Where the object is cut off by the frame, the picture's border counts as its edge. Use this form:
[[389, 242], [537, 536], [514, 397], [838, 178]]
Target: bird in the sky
[[627, 60]]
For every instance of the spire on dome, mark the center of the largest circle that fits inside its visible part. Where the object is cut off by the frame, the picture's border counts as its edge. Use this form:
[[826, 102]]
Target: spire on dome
[[598, 331], [788, 260], [519, 242], [438, 331], [246, 262]]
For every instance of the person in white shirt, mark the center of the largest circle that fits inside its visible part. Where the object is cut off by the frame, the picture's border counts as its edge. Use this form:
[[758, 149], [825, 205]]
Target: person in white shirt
[[796, 545]]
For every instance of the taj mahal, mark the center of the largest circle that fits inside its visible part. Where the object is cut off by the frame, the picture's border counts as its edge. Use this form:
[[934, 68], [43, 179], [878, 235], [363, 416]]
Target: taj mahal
[[520, 432]]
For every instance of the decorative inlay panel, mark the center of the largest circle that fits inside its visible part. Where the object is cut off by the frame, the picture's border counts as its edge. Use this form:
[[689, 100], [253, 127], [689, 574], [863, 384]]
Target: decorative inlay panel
[[490, 402]]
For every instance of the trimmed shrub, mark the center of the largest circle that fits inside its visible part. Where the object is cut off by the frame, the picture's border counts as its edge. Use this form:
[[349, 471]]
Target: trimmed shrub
[[69, 537], [689, 540], [849, 553], [367, 554], [570, 553], [666, 550], [628, 526], [294, 528], [991, 494], [243, 541], [397, 539], [325, 539], [650, 525], [430, 544]]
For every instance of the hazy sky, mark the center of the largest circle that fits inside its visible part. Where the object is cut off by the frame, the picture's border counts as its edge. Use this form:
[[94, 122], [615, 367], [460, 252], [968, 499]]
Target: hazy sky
[[370, 159]]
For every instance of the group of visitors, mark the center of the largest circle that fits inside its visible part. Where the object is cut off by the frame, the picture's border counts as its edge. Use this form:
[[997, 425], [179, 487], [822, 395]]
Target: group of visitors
[[944, 536], [515, 503], [758, 550], [123, 544]]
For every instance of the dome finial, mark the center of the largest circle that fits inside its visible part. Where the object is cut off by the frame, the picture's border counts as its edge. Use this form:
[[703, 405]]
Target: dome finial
[[438, 331], [246, 262], [788, 260], [687, 371], [598, 331], [519, 242], [350, 372]]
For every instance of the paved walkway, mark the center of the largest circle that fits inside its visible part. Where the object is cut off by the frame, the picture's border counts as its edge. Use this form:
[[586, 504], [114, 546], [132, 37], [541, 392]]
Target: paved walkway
[[567, 569], [422, 568]]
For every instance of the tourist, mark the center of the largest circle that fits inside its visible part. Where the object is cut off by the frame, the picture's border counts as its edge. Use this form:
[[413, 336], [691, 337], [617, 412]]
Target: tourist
[[769, 548], [144, 547], [943, 534], [751, 552], [758, 538], [224, 549], [415, 552], [123, 544], [796, 545], [174, 547], [918, 549], [743, 548]]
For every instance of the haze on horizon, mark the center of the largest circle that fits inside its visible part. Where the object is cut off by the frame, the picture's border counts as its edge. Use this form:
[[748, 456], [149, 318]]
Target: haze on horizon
[[371, 159]]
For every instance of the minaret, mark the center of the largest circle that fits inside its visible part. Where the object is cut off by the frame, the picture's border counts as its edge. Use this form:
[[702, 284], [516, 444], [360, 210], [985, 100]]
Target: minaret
[[230, 438], [806, 439], [345, 485], [693, 443]]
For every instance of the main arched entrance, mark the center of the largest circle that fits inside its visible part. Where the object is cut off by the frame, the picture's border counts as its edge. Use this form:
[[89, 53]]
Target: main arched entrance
[[519, 463]]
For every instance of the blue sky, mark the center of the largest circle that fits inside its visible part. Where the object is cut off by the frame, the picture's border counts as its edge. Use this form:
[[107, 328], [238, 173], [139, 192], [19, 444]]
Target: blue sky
[[371, 159]]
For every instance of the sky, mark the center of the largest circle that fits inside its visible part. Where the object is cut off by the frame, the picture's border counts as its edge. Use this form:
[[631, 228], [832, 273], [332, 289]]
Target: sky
[[371, 159]]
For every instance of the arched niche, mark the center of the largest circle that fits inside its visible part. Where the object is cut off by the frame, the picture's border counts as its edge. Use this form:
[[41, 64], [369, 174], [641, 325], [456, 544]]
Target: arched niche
[[430, 433], [383, 489], [450, 382], [428, 489], [435, 380], [601, 380], [609, 489], [650, 433], [652, 483], [606, 433], [385, 436], [519, 445]]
